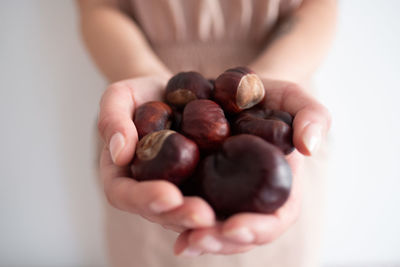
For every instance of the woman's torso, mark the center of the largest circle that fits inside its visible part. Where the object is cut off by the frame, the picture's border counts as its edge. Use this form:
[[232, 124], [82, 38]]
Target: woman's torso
[[207, 35]]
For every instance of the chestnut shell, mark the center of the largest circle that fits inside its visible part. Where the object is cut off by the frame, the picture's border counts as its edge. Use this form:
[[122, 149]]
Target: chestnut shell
[[274, 126], [187, 86], [152, 116], [238, 89], [165, 155], [205, 123], [247, 175]]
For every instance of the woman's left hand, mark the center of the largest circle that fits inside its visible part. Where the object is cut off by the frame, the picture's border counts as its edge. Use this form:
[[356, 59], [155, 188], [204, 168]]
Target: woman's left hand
[[243, 231]]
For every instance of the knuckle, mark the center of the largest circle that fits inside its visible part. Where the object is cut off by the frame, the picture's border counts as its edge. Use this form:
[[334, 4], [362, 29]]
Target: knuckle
[[104, 123], [115, 88], [112, 123], [115, 197], [110, 197], [264, 238], [293, 87], [163, 188]]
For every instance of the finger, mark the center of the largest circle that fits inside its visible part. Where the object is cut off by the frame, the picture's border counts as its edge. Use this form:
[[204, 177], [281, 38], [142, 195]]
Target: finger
[[115, 122], [194, 213], [145, 198], [311, 124], [208, 240], [173, 227], [182, 248], [311, 119]]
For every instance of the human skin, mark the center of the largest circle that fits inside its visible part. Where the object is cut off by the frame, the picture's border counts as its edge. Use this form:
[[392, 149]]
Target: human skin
[[295, 51]]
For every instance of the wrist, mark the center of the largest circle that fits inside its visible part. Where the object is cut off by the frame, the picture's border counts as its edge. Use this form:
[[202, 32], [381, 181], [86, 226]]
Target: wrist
[[276, 74]]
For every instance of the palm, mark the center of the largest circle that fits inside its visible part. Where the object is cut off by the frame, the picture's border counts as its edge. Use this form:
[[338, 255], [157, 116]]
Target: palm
[[180, 213]]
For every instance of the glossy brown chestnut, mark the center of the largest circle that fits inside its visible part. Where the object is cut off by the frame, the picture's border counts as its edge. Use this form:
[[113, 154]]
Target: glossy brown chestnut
[[273, 126], [238, 89], [187, 86], [247, 175], [152, 116], [204, 122], [165, 155]]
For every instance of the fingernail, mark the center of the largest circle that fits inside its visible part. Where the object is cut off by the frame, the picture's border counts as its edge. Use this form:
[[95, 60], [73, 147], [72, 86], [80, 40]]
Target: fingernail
[[190, 252], [164, 204], [117, 143], [209, 243], [242, 234], [312, 137], [194, 221]]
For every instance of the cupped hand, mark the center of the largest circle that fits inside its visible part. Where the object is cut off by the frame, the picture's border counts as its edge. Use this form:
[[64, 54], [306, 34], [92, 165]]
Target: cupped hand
[[243, 231], [158, 201]]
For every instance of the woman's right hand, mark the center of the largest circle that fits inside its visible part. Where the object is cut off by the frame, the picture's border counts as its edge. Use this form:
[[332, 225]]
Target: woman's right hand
[[158, 201]]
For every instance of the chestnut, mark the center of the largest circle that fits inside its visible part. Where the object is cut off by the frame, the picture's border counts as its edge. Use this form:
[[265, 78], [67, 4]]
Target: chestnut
[[238, 89], [204, 122], [273, 126], [176, 120], [152, 116], [279, 115], [247, 175], [165, 155], [187, 86], [212, 81]]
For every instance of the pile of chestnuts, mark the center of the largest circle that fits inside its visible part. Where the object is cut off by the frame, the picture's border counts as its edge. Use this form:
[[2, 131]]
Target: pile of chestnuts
[[217, 140]]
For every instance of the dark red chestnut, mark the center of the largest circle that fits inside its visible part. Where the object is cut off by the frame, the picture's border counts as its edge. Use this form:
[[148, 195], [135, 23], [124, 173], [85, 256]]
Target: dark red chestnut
[[165, 155], [238, 89], [176, 120], [204, 122], [279, 115], [247, 175], [187, 86], [212, 81], [273, 126], [151, 117]]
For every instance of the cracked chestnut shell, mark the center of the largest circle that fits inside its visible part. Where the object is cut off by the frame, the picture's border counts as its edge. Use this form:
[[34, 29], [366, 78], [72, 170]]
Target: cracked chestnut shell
[[238, 89], [152, 116], [247, 175], [204, 122], [165, 155], [187, 86], [274, 126]]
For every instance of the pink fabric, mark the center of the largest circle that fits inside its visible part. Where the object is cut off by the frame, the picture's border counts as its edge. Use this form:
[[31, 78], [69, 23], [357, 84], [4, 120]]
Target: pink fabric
[[207, 35]]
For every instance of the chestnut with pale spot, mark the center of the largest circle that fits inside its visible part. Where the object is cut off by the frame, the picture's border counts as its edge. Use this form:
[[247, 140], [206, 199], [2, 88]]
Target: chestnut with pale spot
[[238, 89], [165, 155], [185, 87]]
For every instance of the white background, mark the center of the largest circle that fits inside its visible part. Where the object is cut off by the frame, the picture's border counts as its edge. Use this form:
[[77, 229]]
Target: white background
[[50, 205]]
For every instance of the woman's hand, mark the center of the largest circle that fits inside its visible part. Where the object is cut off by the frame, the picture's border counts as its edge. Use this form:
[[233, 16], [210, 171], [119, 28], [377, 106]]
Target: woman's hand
[[243, 231], [158, 201]]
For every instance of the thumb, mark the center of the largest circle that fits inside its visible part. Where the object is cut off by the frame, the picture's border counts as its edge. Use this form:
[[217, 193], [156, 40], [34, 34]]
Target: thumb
[[310, 125], [115, 123]]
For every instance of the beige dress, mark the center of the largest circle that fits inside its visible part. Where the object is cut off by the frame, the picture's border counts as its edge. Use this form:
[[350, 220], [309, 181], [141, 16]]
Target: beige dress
[[210, 36]]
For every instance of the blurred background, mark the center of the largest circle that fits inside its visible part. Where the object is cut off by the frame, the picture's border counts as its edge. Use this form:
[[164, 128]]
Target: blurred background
[[50, 202]]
